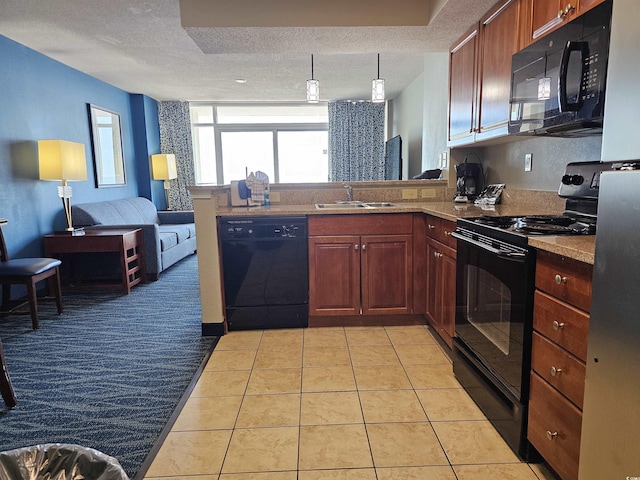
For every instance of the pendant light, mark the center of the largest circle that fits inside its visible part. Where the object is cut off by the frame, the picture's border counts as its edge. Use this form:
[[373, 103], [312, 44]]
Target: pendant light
[[313, 87], [377, 88]]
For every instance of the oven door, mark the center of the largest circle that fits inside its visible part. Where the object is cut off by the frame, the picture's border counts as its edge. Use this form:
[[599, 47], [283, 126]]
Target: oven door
[[494, 308]]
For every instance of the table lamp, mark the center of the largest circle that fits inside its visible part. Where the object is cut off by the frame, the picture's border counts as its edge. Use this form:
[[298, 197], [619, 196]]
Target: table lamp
[[66, 162], [163, 167]]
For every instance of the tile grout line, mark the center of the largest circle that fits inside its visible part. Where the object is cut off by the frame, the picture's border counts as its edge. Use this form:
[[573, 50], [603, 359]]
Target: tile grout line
[[244, 394]]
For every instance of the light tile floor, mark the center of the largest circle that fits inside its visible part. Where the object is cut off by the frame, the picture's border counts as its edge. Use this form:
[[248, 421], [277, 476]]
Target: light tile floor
[[357, 403]]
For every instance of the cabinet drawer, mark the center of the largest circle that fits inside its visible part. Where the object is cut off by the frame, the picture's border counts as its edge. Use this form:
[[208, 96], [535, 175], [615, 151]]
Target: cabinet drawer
[[554, 428], [368, 224], [562, 324], [564, 278], [560, 369], [440, 229]]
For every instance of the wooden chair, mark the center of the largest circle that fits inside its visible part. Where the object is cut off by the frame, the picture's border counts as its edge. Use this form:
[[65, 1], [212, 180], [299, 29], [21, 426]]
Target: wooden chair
[[28, 272], [6, 389]]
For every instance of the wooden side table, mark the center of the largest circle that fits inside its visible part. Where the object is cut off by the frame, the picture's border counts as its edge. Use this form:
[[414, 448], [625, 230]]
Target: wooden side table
[[128, 243]]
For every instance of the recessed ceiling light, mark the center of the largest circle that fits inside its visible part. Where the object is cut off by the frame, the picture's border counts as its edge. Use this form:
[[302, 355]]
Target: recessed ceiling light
[[241, 80]]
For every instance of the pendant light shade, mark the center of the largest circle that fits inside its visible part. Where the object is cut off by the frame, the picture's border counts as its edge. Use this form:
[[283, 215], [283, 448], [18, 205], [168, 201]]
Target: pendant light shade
[[313, 87], [377, 87]]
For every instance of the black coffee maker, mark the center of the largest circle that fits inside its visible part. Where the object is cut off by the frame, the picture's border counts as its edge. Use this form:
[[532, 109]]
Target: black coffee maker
[[469, 181]]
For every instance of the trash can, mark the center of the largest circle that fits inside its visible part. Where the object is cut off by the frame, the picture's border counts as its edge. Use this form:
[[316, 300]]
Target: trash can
[[56, 461]]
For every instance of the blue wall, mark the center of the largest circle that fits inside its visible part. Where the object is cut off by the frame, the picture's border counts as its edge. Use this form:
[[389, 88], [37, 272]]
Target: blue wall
[[41, 98]]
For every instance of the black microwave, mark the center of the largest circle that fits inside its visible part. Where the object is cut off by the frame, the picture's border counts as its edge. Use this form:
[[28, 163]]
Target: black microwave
[[558, 83]]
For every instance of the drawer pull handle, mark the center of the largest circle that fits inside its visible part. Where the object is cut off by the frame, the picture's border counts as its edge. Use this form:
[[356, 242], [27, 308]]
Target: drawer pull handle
[[551, 435], [555, 371], [557, 325], [560, 279], [431, 227], [448, 234]]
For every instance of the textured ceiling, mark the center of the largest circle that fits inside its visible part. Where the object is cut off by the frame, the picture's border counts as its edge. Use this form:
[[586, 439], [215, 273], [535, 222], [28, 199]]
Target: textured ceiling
[[141, 46]]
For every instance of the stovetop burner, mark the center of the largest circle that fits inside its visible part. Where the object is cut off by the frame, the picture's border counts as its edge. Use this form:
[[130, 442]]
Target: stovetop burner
[[562, 220], [539, 224]]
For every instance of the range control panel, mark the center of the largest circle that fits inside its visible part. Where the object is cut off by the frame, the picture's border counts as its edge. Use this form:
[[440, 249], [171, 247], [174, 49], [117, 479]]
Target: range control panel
[[582, 179]]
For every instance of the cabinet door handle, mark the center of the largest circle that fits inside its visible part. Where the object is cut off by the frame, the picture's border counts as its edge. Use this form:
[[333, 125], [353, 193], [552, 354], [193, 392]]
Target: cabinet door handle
[[364, 247], [557, 325], [356, 246], [559, 279], [431, 227], [437, 254], [447, 233], [551, 435], [555, 371]]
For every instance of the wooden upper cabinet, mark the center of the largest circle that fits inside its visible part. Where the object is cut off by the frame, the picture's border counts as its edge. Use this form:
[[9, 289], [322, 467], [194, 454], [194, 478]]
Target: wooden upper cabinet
[[499, 40], [462, 88], [480, 74], [548, 15]]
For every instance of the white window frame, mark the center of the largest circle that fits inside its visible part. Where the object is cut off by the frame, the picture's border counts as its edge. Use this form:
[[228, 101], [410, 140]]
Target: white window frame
[[249, 127]]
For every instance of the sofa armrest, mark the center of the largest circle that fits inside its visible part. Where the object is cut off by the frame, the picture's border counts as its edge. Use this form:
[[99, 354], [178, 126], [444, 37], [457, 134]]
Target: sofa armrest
[[175, 217], [151, 238]]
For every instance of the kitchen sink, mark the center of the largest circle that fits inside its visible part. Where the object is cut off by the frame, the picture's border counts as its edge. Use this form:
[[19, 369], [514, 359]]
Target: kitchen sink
[[339, 205], [380, 204], [354, 204]]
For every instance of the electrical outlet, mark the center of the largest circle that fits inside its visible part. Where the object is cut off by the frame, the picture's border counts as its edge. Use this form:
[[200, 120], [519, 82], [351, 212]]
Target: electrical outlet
[[527, 162], [409, 193], [428, 193], [274, 197]]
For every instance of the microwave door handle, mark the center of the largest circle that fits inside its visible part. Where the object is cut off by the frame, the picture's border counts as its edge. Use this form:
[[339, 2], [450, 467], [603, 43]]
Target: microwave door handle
[[514, 256], [570, 47]]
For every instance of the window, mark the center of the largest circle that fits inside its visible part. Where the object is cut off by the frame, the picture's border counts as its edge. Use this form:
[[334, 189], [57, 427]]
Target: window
[[287, 142]]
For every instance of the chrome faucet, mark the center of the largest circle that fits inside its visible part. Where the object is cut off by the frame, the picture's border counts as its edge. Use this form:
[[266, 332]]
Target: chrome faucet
[[349, 189]]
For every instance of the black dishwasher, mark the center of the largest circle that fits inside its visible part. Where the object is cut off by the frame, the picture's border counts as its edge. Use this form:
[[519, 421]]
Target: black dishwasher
[[265, 271]]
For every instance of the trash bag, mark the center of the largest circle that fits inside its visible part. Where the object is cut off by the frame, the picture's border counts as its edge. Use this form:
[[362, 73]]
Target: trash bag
[[56, 461]]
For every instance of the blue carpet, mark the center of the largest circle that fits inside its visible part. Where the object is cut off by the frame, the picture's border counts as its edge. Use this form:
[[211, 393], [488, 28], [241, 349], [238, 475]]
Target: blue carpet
[[109, 372]]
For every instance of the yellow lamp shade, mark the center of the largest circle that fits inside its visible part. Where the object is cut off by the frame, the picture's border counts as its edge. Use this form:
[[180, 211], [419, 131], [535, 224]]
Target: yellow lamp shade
[[62, 160], [163, 167]]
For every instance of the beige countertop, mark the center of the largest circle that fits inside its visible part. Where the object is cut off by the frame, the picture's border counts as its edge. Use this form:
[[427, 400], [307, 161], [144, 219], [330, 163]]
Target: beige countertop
[[577, 247]]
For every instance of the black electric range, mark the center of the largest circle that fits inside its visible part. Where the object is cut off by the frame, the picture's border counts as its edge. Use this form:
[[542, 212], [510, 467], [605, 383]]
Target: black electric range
[[495, 282]]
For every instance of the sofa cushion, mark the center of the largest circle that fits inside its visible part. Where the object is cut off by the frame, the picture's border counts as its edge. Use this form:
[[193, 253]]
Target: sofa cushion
[[126, 211], [181, 231], [168, 240]]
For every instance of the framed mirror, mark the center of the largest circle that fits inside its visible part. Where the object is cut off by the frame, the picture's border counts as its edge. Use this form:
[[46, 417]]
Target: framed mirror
[[106, 140]]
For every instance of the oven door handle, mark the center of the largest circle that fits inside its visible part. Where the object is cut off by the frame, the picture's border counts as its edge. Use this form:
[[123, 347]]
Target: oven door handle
[[513, 256]]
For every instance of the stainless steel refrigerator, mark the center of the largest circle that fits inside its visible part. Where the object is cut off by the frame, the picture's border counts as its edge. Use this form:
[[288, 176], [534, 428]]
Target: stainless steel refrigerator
[[610, 447]]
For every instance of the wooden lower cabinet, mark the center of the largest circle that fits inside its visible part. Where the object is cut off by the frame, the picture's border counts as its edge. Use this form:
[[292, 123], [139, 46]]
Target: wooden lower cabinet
[[554, 428], [441, 278], [334, 275], [441, 289], [559, 348], [364, 274]]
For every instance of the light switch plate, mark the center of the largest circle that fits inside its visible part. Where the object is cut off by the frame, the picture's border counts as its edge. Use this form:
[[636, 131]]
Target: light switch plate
[[527, 162]]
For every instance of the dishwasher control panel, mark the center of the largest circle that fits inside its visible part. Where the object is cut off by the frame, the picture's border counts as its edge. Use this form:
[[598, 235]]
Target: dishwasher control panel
[[262, 227]]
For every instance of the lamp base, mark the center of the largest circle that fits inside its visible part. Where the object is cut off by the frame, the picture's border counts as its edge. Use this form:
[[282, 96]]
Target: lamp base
[[74, 232]]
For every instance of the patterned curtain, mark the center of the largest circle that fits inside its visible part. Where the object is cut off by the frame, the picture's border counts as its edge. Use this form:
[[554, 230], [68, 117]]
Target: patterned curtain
[[175, 137], [356, 141]]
